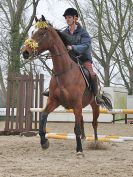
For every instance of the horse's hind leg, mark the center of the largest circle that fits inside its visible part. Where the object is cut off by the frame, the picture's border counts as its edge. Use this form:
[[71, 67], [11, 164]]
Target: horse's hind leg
[[95, 109], [82, 129], [77, 129], [51, 105]]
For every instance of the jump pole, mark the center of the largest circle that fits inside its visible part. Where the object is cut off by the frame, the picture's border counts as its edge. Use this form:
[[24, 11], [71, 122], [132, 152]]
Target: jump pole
[[101, 138], [104, 111]]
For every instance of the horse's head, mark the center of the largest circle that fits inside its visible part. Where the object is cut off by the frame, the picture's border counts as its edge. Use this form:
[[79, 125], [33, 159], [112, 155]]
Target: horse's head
[[39, 41]]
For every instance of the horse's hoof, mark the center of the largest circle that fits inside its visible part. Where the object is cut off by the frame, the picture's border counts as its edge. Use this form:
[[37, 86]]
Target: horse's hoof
[[96, 145], [80, 154], [45, 145]]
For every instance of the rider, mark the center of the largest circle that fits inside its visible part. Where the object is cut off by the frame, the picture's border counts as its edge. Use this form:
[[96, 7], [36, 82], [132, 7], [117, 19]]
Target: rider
[[81, 45]]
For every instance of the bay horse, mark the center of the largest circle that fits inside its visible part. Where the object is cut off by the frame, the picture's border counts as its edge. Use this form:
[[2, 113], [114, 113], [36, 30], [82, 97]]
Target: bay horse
[[67, 86]]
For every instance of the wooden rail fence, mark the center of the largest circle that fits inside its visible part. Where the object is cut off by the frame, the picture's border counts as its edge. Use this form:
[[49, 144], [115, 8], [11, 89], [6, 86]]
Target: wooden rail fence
[[23, 92]]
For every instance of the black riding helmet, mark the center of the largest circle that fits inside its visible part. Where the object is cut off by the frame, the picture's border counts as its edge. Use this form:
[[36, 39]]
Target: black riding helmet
[[71, 12]]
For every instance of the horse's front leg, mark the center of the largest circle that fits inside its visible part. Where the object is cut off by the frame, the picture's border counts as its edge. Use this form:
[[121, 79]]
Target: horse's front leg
[[77, 128], [51, 105]]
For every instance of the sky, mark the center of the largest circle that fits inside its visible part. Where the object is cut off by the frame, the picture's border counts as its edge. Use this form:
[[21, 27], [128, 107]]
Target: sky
[[53, 11]]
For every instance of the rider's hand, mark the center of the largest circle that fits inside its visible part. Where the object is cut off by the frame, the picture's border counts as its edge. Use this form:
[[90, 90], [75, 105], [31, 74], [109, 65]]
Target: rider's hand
[[69, 47]]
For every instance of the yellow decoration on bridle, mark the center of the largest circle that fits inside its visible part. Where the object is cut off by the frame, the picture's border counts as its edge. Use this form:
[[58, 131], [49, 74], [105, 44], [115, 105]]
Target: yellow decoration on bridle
[[32, 44], [41, 24]]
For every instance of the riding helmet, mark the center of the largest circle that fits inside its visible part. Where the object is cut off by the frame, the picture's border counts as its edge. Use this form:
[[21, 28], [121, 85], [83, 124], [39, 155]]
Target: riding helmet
[[71, 12]]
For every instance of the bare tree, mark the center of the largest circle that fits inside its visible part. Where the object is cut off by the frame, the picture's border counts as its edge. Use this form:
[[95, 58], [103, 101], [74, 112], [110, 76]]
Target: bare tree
[[16, 28], [124, 52]]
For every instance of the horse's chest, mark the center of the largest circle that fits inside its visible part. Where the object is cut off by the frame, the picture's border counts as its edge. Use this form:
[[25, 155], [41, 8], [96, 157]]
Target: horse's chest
[[63, 96]]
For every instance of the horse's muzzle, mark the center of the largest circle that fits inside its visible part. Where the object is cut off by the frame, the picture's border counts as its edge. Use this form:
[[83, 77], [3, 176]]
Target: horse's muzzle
[[26, 54]]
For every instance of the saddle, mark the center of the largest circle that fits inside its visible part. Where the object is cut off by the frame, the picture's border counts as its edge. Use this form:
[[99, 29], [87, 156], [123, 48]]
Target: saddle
[[87, 76], [84, 71]]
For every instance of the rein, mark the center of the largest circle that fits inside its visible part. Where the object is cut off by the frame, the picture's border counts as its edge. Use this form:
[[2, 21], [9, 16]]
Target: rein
[[52, 72]]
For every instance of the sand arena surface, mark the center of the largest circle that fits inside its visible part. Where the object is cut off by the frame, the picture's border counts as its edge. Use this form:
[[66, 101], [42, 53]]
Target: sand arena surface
[[23, 157]]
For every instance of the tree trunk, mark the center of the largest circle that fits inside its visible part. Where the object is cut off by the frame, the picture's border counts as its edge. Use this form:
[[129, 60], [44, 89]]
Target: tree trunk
[[2, 90], [14, 61], [106, 77]]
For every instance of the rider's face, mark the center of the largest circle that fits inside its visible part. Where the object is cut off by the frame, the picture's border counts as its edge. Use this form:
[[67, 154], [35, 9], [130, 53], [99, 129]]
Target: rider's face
[[70, 20]]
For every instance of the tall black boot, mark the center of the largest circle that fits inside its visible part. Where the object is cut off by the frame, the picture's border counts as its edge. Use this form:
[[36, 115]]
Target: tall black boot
[[97, 95]]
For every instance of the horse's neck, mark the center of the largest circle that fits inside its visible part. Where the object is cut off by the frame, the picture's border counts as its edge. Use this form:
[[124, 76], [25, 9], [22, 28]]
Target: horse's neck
[[60, 57]]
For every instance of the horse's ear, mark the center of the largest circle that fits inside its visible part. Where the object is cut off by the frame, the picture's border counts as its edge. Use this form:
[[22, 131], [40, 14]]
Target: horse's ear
[[36, 19], [43, 18]]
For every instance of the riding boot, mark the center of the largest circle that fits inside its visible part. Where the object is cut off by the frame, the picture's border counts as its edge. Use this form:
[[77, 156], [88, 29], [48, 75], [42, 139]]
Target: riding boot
[[97, 95], [45, 93]]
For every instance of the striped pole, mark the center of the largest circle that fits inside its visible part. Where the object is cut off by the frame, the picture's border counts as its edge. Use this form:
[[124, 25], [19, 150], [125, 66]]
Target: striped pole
[[104, 111], [102, 138]]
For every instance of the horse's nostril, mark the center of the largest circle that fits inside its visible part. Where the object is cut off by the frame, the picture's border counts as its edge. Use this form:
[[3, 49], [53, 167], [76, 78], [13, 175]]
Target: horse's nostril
[[25, 54]]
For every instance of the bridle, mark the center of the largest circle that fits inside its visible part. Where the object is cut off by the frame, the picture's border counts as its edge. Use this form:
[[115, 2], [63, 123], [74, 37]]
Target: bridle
[[36, 54]]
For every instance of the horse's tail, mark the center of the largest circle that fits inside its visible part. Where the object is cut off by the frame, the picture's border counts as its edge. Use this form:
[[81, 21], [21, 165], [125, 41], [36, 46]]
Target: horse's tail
[[107, 101]]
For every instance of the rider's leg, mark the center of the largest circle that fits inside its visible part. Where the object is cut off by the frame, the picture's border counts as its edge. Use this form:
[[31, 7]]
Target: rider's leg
[[95, 82]]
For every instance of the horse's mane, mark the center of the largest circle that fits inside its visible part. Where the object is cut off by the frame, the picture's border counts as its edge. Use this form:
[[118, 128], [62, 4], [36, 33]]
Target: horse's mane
[[65, 38]]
